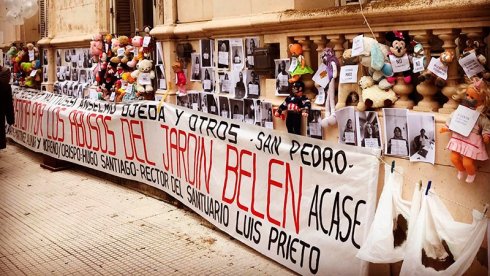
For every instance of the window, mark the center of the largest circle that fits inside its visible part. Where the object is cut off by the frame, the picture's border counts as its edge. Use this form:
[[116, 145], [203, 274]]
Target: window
[[349, 2], [123, 17], [43, 18]]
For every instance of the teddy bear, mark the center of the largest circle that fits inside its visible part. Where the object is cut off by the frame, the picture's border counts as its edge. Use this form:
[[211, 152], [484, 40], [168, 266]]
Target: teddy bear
[[108, 45], [446, 57], [300, 68], [180, 78], [119, 45], [476, 47], [372, 96], [32, 52], [149, 46], [144, 75], [96, 47], [399, 56], [348, 90]]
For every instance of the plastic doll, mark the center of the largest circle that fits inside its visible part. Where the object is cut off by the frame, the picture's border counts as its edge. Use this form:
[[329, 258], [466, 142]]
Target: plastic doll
[[297, 105], [300, 68], [465, 150], [180, 79]]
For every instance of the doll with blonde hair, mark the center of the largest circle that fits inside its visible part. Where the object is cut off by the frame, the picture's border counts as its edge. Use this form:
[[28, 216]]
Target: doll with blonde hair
[[465, 150]]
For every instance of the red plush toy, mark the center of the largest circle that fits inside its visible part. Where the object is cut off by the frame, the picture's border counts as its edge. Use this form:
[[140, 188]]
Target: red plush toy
[[180, 79]]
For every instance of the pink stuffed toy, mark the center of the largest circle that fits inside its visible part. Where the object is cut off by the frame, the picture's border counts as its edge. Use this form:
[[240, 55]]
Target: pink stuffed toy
[[96, 47]]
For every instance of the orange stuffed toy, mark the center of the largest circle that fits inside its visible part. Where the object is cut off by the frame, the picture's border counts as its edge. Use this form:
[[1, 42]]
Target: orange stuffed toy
[[465, 150], [301, 68]]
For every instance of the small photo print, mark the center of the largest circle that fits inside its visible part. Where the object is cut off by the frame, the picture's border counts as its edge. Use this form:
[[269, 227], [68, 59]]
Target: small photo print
[[60, 73], [396, 131], [253, 85], [266, 115], [162, 82], [208, 79], [314, 124], [251, 43], [194, 100], [346, 119], [224, 107], [421, 134], [206, 52], [239, 90], [224, 54], [237, 57], [196, 67], [225, 82], [282, 77], [212, 105], [45, 73], [368, 131], [249, 111], [183, 100], [83, 76], [236, 108]]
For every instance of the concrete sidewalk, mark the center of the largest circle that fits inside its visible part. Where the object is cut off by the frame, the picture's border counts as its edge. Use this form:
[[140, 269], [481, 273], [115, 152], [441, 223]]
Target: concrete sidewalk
[[72, 222]]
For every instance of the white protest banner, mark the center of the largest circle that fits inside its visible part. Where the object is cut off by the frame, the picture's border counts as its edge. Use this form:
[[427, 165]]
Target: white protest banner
[[438, 68], [267, 189], [348, 74], [471, 65]]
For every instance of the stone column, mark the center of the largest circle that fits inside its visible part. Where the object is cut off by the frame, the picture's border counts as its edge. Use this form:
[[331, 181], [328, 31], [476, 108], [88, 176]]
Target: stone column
[[403, 90], [310, 90], [51, 69], [338, 45], [448, 36], [427, 88]]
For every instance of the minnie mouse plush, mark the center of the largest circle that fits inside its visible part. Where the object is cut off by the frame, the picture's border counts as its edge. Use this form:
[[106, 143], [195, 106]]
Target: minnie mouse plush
[[399, 58]]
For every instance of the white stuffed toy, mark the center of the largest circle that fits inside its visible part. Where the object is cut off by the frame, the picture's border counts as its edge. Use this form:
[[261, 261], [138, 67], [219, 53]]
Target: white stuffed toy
[[373, 96], [143, 75]]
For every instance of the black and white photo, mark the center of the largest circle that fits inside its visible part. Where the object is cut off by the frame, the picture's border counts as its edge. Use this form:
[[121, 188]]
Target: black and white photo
[[421, 137], [195, 67], [346, 119], [206, 53], [314, 124], [160, 76], [239, 88], [253, 84], [183, 100], [282, 77], [208, 79], [212, 105], [236, 109], [251, 43], [194, 100], [396, 131], [266, 115], [368, 131], [58, 57], [249, 111], [224, 54], [237, 57], [225, 82], [224, 107]]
